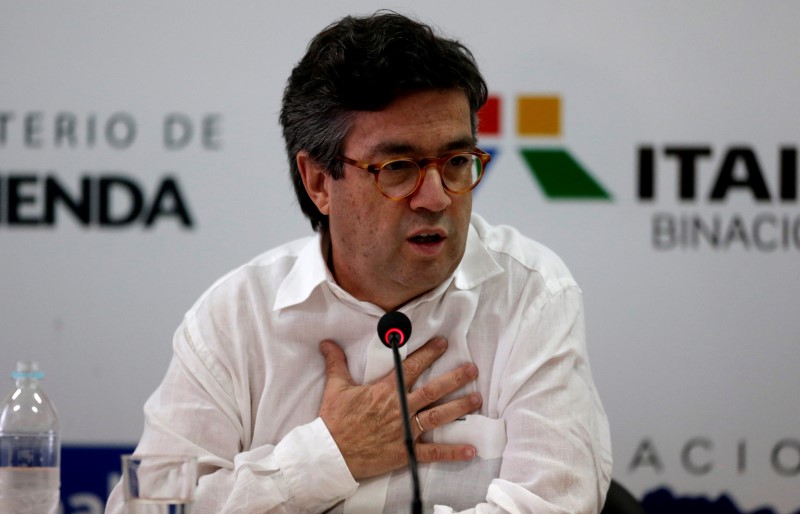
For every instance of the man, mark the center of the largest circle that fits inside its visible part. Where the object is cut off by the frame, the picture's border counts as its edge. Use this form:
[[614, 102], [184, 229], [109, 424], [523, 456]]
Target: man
[[279, 383]]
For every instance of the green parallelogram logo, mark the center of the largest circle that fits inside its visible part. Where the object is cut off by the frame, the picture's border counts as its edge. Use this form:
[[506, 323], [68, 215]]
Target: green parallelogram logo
[[558, 173]]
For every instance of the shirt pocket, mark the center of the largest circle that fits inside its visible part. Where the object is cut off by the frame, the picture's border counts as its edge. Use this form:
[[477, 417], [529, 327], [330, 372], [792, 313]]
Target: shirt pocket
[[487, 435]]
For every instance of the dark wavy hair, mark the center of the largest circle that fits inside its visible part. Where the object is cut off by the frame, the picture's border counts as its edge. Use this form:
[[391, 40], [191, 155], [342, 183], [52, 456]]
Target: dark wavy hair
[[363, 64]]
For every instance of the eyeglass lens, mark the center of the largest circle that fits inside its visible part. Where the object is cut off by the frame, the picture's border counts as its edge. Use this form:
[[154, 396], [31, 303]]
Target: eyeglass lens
[[459, 174]]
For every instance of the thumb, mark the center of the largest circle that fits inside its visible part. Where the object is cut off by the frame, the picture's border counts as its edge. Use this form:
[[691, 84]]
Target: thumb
[[335, 363]]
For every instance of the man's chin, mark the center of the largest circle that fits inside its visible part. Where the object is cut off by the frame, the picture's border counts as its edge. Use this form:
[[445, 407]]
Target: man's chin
[[424, 280]]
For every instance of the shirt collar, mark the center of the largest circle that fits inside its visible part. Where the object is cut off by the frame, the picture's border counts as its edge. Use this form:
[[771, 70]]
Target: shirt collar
[[310, 270], [478, 265]]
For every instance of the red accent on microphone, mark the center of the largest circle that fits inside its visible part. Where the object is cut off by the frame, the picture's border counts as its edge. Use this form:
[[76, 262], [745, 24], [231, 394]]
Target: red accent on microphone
[[395, 331]]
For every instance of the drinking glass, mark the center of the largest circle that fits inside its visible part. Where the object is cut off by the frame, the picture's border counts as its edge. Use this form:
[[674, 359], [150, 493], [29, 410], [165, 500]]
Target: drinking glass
[[159, 484]]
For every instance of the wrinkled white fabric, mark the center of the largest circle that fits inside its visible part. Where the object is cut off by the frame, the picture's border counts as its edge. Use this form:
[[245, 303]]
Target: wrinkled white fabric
[[243, 389]]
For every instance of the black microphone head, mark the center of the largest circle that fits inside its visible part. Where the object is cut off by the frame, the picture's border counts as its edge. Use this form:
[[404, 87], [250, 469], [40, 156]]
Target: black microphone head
[[394, 327]]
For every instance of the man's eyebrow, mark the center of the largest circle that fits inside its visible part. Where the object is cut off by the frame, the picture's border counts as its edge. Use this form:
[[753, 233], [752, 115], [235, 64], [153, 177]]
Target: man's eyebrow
[[395, 148], [461, 144]]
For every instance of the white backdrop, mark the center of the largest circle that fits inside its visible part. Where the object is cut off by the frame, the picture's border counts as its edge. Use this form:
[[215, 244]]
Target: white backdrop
[[694, 346]]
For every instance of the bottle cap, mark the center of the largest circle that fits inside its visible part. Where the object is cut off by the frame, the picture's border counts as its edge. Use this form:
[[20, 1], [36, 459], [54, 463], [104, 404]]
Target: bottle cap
[[27, 369]]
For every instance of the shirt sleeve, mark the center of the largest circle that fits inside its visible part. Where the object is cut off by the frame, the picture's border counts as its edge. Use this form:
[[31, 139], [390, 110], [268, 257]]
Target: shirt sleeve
[[194, 411], [558, 453]]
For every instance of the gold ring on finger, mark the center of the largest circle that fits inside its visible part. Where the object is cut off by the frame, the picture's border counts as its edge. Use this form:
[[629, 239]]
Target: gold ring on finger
[[416, 418]]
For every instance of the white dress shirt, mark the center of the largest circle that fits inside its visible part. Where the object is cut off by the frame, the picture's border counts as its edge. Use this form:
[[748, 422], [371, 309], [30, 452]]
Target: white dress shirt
[[244, 387]]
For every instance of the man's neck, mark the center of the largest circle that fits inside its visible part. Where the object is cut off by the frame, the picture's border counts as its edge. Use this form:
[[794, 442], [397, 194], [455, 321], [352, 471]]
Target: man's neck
[[387, 301]]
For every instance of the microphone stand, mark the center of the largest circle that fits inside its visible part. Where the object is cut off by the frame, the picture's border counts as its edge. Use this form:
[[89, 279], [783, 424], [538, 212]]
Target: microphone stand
[[416, 502]]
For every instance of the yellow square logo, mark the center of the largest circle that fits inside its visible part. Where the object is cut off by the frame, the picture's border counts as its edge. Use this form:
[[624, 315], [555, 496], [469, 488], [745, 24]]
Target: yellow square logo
[[539, 116]]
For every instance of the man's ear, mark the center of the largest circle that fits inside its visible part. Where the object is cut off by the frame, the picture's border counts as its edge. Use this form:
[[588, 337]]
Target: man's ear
[[315, 181]]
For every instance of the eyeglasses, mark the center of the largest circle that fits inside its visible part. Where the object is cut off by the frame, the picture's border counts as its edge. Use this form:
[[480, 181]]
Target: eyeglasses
[[399, 178]]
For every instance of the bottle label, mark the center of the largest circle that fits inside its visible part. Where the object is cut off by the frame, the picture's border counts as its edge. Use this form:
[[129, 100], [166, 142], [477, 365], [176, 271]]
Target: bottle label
[[29, 451]]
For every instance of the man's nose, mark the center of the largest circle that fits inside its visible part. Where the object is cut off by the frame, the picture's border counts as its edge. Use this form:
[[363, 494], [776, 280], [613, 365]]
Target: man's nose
[[431, 194]]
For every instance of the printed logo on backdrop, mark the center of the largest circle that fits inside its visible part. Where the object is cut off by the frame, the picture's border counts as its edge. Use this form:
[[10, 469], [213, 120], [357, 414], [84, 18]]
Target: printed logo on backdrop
[[728, 197], [32, 197], [761, 183], [559, 174]]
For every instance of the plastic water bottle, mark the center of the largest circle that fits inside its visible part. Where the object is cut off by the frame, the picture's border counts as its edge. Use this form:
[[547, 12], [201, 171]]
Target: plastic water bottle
[[30, 447]]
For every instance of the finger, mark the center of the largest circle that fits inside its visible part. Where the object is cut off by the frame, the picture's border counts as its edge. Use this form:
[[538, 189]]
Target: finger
[[422, 358], [429, 452], [448, 412], [335, 364], [441, 386]]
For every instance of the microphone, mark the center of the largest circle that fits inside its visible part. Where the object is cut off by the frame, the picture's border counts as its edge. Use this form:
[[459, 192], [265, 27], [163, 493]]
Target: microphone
[[394, 329]]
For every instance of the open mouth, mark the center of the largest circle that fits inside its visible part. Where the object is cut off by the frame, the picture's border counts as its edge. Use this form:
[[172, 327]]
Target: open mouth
[[426, 238]]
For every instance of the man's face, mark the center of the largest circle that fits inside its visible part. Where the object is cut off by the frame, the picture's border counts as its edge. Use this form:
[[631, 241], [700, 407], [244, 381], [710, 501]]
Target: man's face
[[390, 251]]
